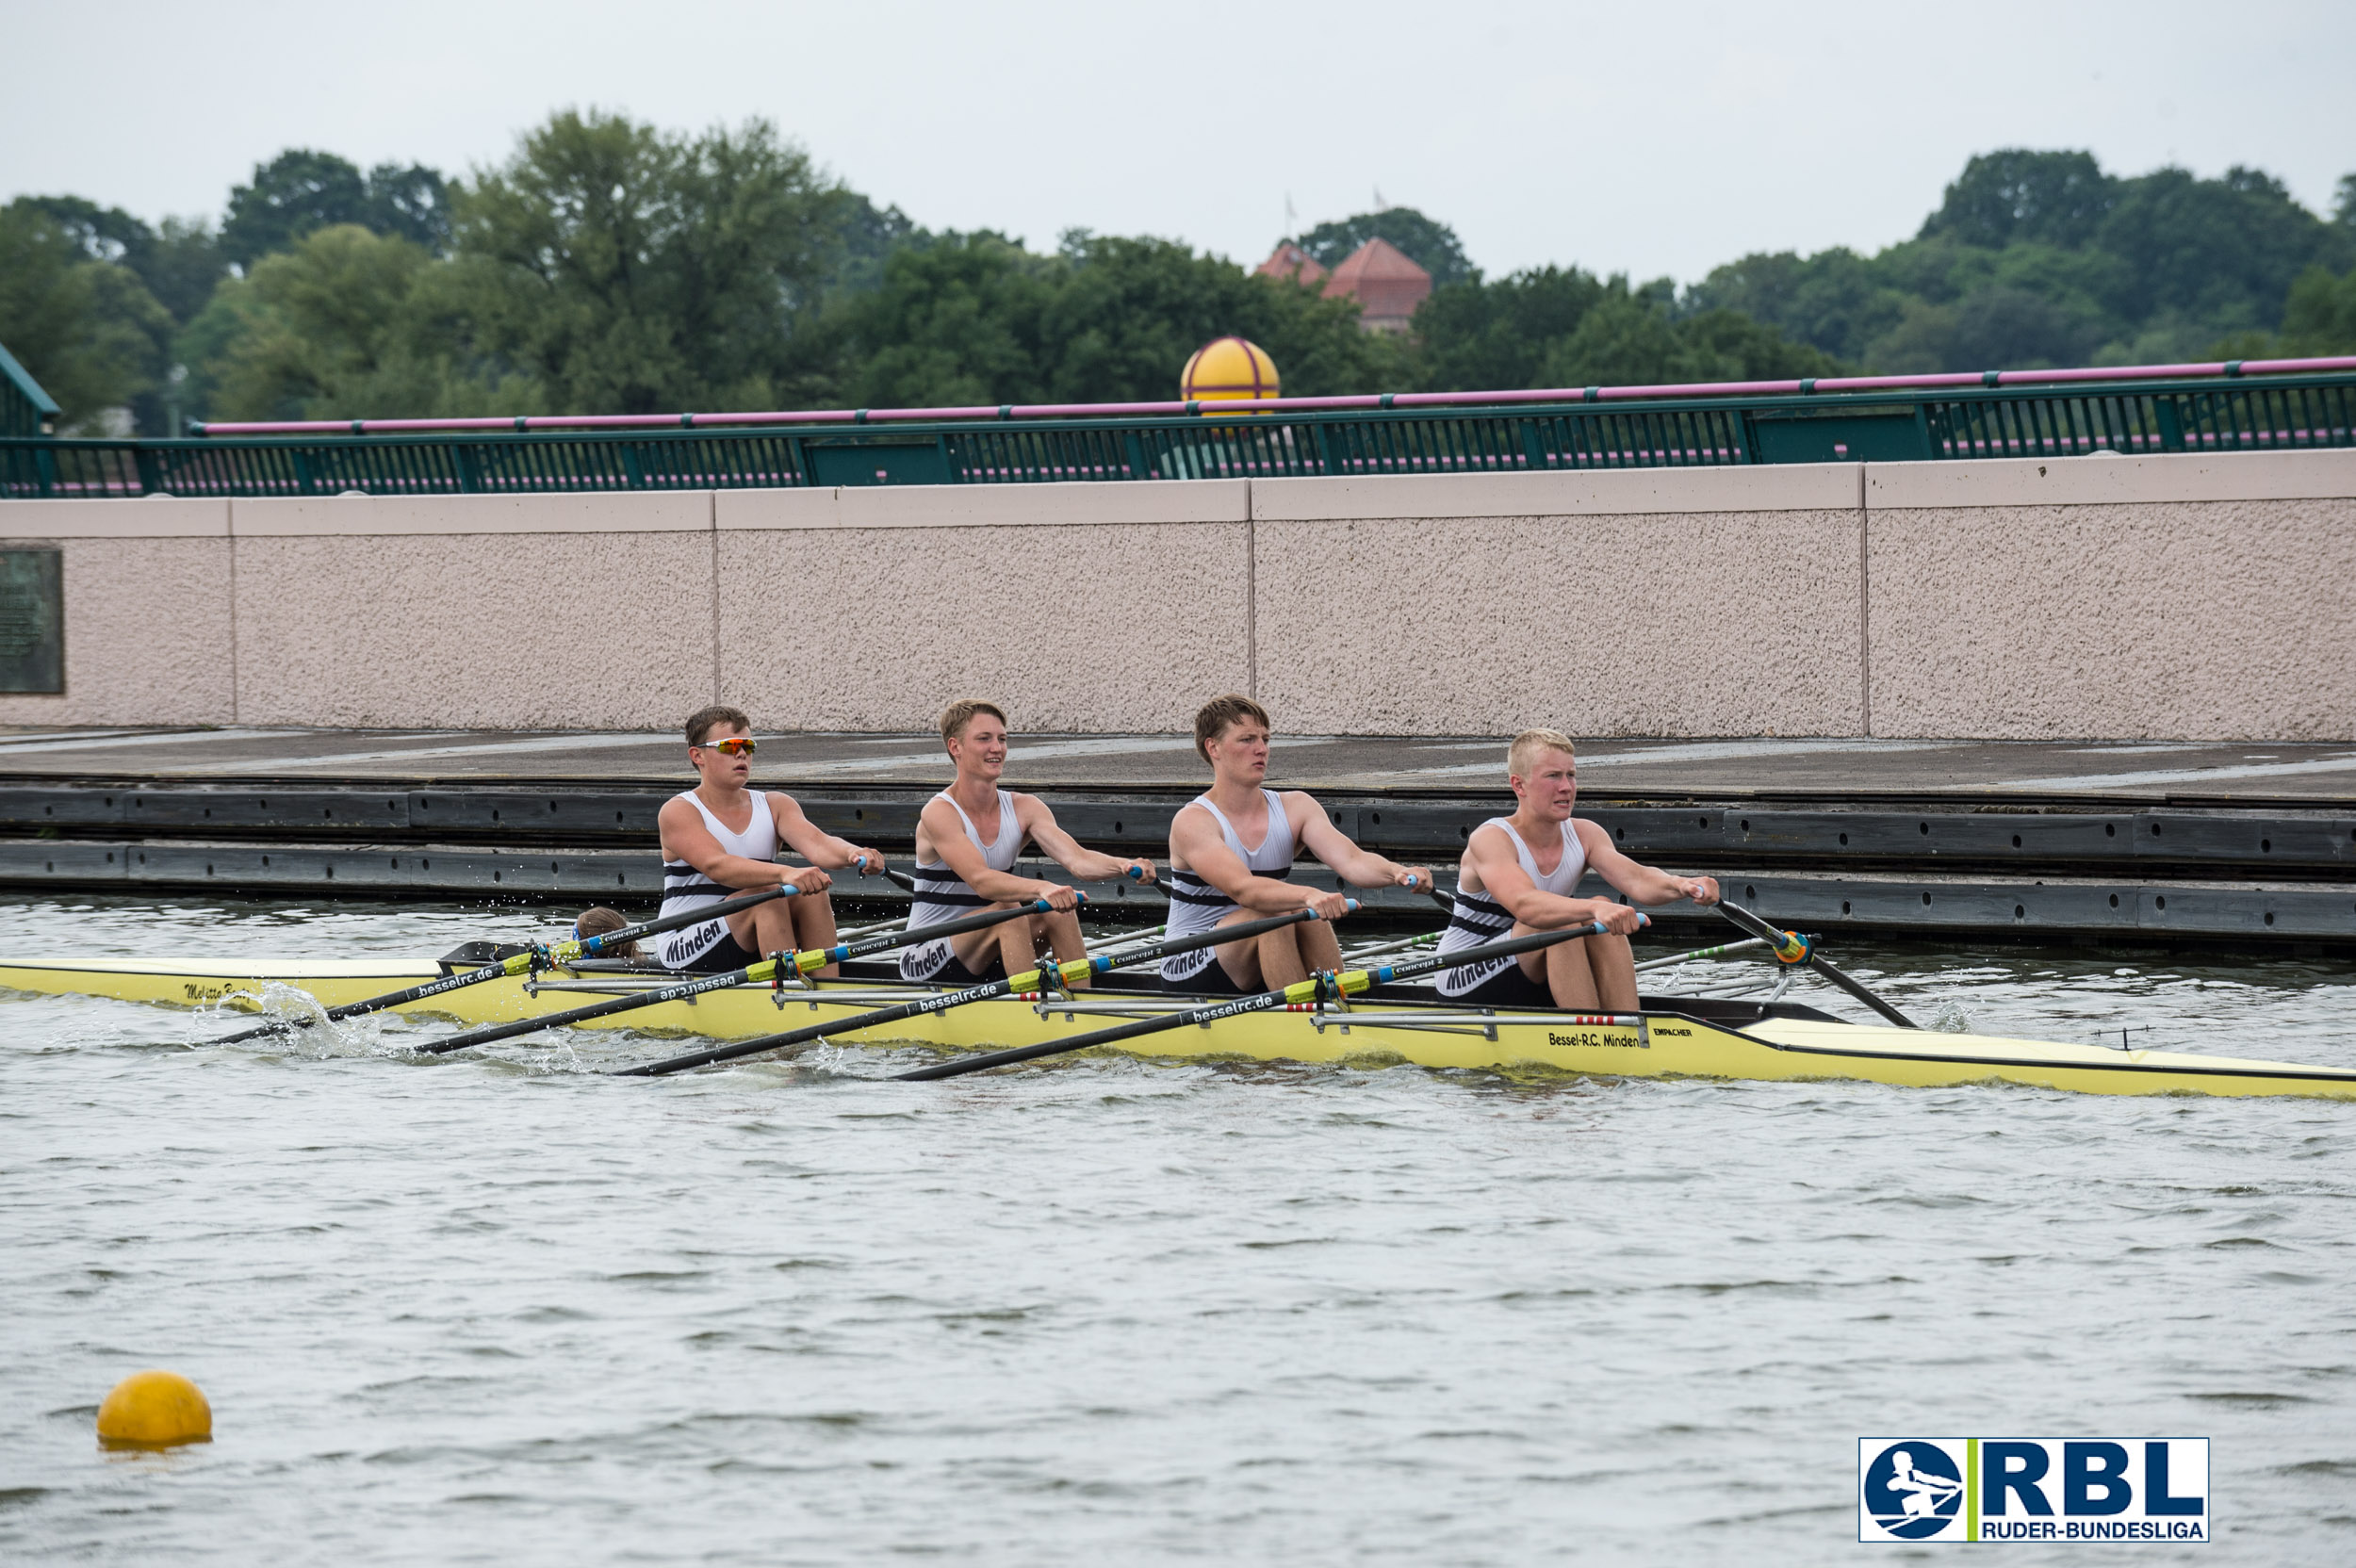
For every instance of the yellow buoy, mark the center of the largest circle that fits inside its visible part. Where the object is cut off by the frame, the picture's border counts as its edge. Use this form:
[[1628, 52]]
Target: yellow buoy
[[1228, 370], [155, 1410]]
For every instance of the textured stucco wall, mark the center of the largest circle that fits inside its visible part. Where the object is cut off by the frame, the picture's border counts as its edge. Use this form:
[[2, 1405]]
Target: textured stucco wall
[[147, 628], [2181, 597], [590, 612], [2167, 598], [1646, 602], [1078, 606]]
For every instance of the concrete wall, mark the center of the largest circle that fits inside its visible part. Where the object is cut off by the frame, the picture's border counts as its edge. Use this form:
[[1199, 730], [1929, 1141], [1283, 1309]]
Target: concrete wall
[[2160, 598]]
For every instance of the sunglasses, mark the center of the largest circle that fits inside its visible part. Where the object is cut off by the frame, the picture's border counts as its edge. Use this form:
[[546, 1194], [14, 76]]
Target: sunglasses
[[735, 746]]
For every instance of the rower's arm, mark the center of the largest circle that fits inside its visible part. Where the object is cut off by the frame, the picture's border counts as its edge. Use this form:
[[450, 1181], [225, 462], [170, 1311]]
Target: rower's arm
[[1504, 879], [1194, 839], [1360, 868], [946, 830], [686, 838], [805, 839], [1067, 851], [1641, 883]]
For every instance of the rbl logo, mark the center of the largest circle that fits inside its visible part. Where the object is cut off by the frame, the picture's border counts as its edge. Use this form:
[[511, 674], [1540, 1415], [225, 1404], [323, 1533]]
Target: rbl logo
[[2032, 1488]]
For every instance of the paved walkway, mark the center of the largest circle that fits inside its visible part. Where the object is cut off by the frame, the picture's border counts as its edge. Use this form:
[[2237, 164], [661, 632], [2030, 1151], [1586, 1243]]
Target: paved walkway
[[1621, 768]]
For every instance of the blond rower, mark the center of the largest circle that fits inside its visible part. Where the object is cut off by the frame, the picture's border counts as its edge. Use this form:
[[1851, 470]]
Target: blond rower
[[967, 841], [1520, 875]]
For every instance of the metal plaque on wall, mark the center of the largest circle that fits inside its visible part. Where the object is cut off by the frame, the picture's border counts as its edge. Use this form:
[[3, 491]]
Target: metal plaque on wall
[[32, 621]]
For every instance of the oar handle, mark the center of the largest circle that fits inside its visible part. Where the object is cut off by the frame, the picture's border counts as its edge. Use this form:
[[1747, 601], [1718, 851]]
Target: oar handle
[[590, 947], [1305, 990], [1068, 973]]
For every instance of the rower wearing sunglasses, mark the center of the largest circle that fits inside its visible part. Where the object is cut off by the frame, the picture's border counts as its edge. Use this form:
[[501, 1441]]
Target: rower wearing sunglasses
[[721, 838]]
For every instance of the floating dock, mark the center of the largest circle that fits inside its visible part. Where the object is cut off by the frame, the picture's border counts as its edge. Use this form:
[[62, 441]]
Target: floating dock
[[2250, 844]]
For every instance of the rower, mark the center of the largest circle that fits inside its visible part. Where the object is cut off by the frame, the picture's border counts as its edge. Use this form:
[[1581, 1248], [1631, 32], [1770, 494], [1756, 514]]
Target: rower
[[1519, 874], [1230, 849], [721, 838], [967, 839]]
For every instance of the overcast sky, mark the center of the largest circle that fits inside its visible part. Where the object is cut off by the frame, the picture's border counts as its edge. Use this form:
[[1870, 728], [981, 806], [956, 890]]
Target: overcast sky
[[1649, 139]]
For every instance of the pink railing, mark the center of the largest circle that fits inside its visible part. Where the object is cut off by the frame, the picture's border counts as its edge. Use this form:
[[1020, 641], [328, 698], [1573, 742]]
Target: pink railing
[[1306, 406]]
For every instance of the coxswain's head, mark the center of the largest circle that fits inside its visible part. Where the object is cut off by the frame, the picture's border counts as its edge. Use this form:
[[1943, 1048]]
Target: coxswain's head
[[596, 921], [974, 733], [1232, 734], [720, 745], [1545, 773]]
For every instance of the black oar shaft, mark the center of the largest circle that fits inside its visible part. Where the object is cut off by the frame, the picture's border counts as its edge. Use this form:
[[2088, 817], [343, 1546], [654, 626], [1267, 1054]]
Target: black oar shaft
[[1781, 943], [942, 1001], [1304, 990], [517, 965], [750, 973]]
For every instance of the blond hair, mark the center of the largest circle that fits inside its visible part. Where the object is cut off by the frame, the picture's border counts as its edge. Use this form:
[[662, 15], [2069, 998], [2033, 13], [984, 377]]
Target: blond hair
[[1529, 743], [955, 718], [1214, 718]]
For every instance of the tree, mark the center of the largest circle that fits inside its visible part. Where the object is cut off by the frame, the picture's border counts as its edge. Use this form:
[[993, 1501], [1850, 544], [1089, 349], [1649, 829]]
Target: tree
[[351, 324], [2320, 316], [1430, 244], [1128, 312], [302, 190], [636, 271], [296, 192], [2221, 252], [2018, 195], [179, 263], [87, 330], [954, 323], [1477, 335]]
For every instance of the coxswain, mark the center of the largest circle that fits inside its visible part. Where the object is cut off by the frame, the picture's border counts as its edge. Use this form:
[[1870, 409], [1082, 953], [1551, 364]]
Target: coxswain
[[1520, 875], [721, 838], [967, 840], [1230, 849]]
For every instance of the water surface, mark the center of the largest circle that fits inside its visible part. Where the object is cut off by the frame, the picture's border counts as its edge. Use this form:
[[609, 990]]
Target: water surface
[[498, 1309]]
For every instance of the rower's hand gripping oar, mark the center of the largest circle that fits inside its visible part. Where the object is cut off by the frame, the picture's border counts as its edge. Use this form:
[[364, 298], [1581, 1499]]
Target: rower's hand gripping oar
[[536, 957], [1064, 974], [767, 968], [1792, 948], [1317, 988]]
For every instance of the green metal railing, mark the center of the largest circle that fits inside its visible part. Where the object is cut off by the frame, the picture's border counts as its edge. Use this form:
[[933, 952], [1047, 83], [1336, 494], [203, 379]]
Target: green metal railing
[[2194, 414], [27, 411]]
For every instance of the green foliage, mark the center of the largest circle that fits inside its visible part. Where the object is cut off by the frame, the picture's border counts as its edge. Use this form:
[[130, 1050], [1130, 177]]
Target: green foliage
[[2040, 258], [610, 266], [301, 191], [636, 271], [2017, 194], [179, 263], [970, 319], [351, 324], [1561, 327], [87, 330], [951, 324], [1430, 244], [2320, 317]]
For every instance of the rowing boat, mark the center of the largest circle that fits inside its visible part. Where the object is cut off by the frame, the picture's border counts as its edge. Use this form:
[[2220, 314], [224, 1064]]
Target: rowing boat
[[1670, 1037]]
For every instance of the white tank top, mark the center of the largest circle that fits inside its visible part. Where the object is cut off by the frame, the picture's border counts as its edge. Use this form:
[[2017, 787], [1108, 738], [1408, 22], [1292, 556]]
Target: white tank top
[[942, 894], [684, 888], [1197, 906], [1479, 917]]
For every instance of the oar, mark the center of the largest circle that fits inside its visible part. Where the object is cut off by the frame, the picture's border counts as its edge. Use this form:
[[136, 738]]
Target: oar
[[537, 956], [1316, 988], [797, 963], [1794, 949], [1030, 979]]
